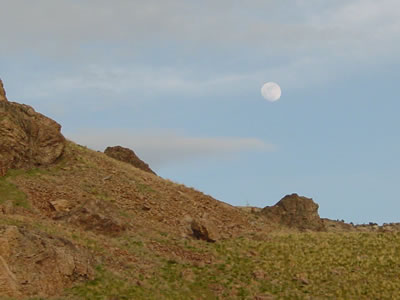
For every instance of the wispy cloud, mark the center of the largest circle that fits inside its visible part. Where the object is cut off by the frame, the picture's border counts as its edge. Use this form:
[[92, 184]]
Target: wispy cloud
[[155, 48], [163, 147]]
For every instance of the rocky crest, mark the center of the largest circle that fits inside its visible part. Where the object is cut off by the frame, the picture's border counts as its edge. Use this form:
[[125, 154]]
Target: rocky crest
[[2, 92], [27, 138], [128, 156], [296, 212]]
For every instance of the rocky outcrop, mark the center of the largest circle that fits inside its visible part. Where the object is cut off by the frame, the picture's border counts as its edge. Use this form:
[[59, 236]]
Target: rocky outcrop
[[128, 156], [203, 229], [27, 138], [296, 212], [34, 263], [2, 92], [95, 215]]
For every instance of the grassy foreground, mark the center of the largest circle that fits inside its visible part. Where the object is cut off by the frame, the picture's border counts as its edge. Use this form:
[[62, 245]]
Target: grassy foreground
[[280, 266], [152, 261]]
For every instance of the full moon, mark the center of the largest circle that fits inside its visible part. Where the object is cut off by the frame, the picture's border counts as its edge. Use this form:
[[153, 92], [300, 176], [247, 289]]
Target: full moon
[[271, 91]]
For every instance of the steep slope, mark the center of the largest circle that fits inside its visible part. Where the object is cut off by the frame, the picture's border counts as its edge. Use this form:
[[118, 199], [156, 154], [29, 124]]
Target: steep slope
[[86, 183], [62, 205], [101, 211]]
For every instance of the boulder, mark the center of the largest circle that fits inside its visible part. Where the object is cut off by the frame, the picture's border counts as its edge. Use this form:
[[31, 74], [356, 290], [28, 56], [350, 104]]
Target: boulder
[[128, 156], [27, 138], [204, 230], [61, 205], [296, 212]]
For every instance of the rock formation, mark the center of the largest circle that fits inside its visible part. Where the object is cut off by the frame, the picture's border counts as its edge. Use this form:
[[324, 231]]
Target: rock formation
[[128, 156], [27, 138], [2, 92], [95, 215], [296, 212], [35, 263], [204, 230]]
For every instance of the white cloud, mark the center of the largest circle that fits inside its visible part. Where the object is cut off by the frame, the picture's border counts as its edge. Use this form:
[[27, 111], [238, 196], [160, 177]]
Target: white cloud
[[64, 26], [163, 147], [149, 48]]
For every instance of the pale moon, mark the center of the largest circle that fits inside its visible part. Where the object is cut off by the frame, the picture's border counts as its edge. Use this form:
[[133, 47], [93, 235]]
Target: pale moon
[[271, 91]]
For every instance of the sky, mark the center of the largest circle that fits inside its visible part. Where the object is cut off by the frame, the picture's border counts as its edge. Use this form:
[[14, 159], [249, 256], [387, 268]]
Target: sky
[[179, 83]]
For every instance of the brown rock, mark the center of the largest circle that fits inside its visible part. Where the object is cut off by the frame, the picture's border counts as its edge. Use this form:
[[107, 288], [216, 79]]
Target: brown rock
[[34, 263], [8, 282], [296, 212], [7, 207], [27, 138], [2, 92], [128, 156], [204, 230], [61, 205], [265, 296], [301, 278], [96, 215]]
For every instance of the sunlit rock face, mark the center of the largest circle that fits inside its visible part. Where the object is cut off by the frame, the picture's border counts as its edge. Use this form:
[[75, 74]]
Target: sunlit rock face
[[27, 138], [295, 211], [2, 92]]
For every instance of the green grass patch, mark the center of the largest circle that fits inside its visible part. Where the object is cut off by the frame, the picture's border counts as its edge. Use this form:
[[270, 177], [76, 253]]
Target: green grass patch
[[108, 285], [144, 188], [285, 266], [10, 192]]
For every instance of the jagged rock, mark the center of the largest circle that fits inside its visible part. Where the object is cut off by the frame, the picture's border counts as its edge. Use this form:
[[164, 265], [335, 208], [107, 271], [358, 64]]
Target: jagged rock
[[204, 230], [27, 138], [128, 156], [8, 282], [2, 92], [61, 205], [34, 263], [296, 212]]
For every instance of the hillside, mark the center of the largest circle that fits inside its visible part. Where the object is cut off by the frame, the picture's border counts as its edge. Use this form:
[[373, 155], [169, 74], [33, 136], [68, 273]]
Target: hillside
[[79, 224]]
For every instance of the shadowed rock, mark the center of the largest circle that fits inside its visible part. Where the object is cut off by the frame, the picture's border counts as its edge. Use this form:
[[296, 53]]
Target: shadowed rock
[[27, 138], [296, 212], [204, 230], [128, 156], [94, 215]]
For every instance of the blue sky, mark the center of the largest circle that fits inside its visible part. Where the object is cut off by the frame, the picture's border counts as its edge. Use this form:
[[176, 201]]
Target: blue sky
[[179, 83]]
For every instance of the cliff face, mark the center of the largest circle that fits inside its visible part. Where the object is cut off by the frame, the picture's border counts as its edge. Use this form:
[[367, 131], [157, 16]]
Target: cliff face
[[27, 138]]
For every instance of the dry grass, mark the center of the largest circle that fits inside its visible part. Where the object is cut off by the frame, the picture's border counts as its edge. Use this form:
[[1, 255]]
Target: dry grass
[[283, 266], [153, 260]]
